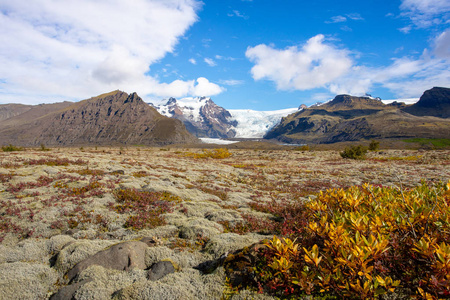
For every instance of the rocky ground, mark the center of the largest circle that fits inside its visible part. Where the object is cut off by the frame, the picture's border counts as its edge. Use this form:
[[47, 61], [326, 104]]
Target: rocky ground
[[147, 223]]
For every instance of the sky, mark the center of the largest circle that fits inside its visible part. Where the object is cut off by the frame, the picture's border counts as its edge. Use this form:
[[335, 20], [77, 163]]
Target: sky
[[244, 54]]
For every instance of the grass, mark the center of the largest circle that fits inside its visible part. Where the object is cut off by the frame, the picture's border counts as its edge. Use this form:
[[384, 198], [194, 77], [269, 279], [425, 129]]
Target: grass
[[437, 143]]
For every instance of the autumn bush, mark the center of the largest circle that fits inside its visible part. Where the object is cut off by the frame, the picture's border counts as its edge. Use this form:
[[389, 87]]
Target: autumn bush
[[215, 153], [362, 243]]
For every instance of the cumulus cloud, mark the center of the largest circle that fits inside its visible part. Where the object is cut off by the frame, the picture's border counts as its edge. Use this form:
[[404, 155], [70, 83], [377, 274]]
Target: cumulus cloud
[[180, 88], [318, 64], [192, 61], [425, 13], [59, 50], [313, 65]]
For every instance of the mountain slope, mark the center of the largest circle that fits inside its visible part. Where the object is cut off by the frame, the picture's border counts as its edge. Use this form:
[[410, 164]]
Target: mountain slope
[[434, 102], [109, 119], [348, 118], [201, 116]]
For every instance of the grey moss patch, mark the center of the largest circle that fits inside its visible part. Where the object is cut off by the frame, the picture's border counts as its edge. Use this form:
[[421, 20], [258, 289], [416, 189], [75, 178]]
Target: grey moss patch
[[20, 280], [101, 283], [188, 284], [30, 250], [182, 260], [228, 242], [198, 227]]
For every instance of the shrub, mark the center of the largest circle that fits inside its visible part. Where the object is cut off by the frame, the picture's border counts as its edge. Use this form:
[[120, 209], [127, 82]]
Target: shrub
[[11, 148], [215, 153], [374, 145], [354, 152], [43, 148], [364, 242]]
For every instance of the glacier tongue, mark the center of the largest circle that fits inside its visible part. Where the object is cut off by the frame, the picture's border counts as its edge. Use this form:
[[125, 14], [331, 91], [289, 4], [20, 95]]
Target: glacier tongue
[[254, 124]]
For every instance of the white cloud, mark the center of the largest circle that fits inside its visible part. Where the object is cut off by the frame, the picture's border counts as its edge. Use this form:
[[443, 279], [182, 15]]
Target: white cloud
[[238, 14], [442, 45], [210, 62], [180, 88], [337, 19], [355, 16], [232, 82], [192, 61], [425, 13], [321, 65], [72, 49], [313, 65]]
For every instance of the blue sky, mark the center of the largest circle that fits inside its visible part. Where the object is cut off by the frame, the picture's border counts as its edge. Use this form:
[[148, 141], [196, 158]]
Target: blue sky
[[258, 54]]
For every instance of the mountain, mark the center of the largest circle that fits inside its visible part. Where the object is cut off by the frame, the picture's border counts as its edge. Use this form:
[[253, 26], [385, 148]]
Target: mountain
[[201, 116], [11, 110], [434, 102], [349, 118], [114, 118]]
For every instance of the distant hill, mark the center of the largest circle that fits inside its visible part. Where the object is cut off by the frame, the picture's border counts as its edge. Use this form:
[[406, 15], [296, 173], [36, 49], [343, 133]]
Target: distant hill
[[349, 118], [114, 118]]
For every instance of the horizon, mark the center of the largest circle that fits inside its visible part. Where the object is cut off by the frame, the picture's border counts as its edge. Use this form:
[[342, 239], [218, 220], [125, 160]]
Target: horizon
[[244, 54]]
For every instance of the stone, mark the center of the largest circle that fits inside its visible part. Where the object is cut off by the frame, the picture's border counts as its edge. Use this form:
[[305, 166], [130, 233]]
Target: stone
[[122, 256], [160, 269]]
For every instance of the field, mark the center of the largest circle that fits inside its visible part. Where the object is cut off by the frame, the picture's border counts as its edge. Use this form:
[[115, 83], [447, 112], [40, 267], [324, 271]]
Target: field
[[193, 207]]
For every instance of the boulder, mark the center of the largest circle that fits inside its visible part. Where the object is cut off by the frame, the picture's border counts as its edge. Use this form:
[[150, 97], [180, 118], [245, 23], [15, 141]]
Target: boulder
[[122, 256]]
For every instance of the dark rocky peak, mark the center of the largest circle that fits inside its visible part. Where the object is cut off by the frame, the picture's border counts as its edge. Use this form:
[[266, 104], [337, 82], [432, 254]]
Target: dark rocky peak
[[171, 101], [434, 102], [345, 102]]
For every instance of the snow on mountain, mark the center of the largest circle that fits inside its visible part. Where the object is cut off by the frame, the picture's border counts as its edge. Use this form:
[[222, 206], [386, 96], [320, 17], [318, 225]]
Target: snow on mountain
[[406, 101], [201, 116], [254, 124]]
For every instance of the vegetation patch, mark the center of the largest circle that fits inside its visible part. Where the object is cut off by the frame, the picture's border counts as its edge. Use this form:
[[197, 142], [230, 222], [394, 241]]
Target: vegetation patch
[[354, 152], [215, 154], [362, 243], [437, 143], [55, 162], [145, 207], [11, 148]]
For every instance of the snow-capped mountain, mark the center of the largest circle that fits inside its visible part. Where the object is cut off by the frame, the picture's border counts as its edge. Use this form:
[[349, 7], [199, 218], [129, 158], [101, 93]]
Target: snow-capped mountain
[[201, 116]]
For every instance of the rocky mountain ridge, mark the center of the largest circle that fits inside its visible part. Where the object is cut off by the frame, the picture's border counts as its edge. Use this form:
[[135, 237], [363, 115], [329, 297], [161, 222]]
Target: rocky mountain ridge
[[201, 116], [349, 118], [114, 118]]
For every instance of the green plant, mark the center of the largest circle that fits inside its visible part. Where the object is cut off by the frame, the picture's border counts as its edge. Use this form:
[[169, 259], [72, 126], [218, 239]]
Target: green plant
[[43, 148], [354, 152], [374, 145], [11, 148]]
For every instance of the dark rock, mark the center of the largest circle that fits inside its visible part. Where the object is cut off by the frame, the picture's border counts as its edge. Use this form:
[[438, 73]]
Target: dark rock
[[68, 292], [159, 270], [122, 256]]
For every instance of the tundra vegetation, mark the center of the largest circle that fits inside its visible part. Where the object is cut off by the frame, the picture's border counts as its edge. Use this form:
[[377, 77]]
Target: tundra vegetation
[[320, 226]]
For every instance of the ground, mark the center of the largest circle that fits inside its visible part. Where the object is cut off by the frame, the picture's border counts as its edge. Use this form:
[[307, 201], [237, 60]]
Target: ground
[[59, 206]]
